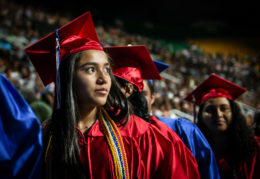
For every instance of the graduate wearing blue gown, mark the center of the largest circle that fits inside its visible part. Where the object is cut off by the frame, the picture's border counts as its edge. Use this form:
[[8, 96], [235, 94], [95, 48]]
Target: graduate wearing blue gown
[[20, 135], [190, 134]]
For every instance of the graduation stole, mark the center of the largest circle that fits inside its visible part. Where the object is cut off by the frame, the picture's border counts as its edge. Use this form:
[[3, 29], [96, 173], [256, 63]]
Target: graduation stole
[[115, 144]]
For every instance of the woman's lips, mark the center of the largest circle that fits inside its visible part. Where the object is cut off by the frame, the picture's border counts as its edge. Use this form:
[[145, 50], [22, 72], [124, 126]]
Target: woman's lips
[[102, 91]]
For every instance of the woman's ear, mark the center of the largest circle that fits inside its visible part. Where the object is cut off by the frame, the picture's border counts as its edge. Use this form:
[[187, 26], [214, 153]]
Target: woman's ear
[[129, 88]]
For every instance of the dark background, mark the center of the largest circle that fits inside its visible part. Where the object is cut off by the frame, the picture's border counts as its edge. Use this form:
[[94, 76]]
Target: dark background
[[168, 19]]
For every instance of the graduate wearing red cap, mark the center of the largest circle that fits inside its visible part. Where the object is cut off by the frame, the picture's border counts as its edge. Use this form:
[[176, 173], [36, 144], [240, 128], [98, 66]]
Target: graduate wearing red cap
[[131, 64], [92, 133], [221, 120], [81, 140]]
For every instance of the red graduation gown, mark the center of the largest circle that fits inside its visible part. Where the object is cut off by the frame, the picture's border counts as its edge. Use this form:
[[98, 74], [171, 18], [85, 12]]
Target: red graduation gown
[[150, 153], [183, 151], [246, 170]]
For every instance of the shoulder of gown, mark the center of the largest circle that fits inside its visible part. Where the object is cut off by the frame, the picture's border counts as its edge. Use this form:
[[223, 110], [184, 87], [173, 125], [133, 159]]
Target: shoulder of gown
[[20, 135], [151, 153], [171, 157], [194, 139]]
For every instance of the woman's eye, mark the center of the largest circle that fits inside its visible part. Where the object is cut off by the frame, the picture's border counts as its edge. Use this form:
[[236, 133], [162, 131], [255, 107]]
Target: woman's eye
[[107, 70], [209, 109], [90, 69], [224, 108]]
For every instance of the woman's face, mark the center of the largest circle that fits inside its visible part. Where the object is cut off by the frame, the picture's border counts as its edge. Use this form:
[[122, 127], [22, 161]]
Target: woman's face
[[93, 81], [217, 114]]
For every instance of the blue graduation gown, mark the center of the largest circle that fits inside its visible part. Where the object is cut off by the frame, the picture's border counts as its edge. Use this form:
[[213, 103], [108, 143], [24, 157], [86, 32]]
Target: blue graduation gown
[[20, 135], [193, 138]]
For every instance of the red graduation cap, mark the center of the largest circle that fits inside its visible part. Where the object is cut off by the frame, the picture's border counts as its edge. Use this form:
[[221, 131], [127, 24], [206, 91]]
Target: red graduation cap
[[132, 63], [214, 87], [76, 36]]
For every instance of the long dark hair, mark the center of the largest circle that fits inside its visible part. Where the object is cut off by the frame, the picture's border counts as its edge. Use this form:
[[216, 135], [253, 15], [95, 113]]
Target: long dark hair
[[65, 148], [137, 100], [241, 139]]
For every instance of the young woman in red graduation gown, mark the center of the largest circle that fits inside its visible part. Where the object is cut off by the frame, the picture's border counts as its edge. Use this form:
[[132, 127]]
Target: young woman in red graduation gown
[[130, 65], [92, 134], [220, 118]]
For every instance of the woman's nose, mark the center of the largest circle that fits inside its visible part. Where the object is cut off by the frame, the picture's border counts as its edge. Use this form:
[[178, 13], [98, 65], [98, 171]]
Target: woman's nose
[[102, 77], [219, 113]]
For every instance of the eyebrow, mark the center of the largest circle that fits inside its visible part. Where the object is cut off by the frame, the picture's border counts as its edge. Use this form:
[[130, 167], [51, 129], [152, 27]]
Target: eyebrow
[[92, 63], [217, 105]]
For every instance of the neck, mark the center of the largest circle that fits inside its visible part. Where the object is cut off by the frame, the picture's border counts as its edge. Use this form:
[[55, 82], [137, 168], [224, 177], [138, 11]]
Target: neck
[[220, 143], [87, 118]]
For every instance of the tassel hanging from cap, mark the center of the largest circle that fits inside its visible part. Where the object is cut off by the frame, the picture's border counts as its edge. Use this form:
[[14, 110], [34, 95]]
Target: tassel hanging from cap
[[58, 69]]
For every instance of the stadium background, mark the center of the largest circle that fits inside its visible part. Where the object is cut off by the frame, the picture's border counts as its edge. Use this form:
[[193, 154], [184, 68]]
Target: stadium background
[[195, 37]]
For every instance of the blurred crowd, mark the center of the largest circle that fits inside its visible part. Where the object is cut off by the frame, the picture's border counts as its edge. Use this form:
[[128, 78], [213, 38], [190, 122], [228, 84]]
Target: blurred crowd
[[22, 25]]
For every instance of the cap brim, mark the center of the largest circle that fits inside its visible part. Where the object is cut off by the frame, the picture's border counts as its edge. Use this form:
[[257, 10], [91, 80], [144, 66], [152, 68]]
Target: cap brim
[[133, 56], [214, 82]]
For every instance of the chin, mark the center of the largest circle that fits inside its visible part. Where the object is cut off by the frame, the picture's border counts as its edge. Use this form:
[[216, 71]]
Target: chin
[[221, 129], [101, 103]]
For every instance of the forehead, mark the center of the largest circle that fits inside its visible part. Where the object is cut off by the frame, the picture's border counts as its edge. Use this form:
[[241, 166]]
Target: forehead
[[95, 56], [217, 101]]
